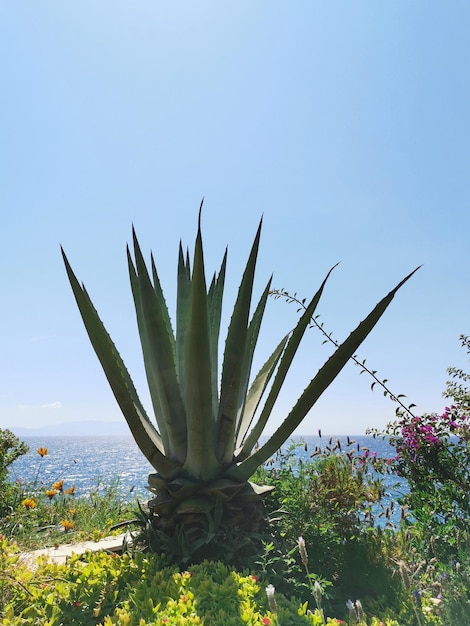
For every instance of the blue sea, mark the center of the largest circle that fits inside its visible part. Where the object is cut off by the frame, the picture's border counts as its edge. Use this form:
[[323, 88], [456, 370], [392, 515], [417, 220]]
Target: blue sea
[[96, 463]]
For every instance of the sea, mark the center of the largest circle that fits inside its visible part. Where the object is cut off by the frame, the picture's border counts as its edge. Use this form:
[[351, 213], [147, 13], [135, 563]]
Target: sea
[[94, 464]]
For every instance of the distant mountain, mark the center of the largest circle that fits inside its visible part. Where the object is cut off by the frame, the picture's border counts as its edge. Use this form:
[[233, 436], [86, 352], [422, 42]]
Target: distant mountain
[[75, 429]]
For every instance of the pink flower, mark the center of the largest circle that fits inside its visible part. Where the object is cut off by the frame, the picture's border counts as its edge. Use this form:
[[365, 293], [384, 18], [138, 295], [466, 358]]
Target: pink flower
[[266, 621]]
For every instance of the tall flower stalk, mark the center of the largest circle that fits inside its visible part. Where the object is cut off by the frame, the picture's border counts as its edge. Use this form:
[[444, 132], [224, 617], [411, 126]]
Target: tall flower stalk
[[314, 586]]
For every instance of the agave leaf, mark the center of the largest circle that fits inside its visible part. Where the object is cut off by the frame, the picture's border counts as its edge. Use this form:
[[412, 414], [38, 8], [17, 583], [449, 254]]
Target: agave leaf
[[161, 298], [215, 297], [317, 386], [147, 437], [284, 365], [256, 392], [182, 298], [232, 371], [227, 489], [251, 341], [228, 445], [158, 349], [201, 462], [194, 506]]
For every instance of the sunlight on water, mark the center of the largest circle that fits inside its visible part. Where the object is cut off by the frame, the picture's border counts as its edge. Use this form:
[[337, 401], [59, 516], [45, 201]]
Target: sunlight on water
[[96, 463]]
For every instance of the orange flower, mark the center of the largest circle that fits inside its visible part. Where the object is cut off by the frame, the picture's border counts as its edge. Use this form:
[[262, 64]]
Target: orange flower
[[29, 503], [70, 491], [42, 451], [50, 493], [67, 524], [58, 485]]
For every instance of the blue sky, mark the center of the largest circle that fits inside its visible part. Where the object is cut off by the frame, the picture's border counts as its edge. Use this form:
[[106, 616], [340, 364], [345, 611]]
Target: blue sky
[[345, 124]]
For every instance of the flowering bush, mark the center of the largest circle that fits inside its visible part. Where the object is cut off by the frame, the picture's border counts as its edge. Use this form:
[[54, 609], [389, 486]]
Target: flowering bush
[[433, 455]]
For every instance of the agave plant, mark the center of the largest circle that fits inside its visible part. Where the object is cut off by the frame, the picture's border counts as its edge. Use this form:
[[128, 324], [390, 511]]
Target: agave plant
[[203, 440]]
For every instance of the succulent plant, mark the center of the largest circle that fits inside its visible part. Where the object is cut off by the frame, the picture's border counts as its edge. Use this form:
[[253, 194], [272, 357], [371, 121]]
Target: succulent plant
[[203, 441]]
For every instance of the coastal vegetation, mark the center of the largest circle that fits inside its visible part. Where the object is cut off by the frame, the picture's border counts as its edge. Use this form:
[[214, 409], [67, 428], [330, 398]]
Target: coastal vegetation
[[337, 549], [236, 534], [204, 443], [43, 512]]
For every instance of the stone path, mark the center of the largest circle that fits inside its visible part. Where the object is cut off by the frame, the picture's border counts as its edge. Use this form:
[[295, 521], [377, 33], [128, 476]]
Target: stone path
[[61, 553]]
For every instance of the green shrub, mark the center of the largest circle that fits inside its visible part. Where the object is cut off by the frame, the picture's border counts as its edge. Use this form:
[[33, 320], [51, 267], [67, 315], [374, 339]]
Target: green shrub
[[433, 455], [11, 448], [99, 588], [328, 502]]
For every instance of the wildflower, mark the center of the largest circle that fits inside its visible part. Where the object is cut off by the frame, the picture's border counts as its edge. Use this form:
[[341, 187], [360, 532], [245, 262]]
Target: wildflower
[[417, 597], [70, 491], [255, 578], [42, 451], [29, 503], [58, 485], [303, 550], [67, 524], [270, 590], [360, 611], [317, 592], [50, 493], [266, 621], [404, 575]]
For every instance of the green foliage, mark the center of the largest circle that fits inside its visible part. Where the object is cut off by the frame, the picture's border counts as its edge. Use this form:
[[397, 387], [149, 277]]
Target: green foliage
[[433, 455], [328, 503], [433, 545], [351, 558], [213, 536], [202, 446], [11, 448], [138, 591], [457, 386]]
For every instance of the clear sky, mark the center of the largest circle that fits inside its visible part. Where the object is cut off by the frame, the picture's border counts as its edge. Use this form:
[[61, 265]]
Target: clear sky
[[345, 124]]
